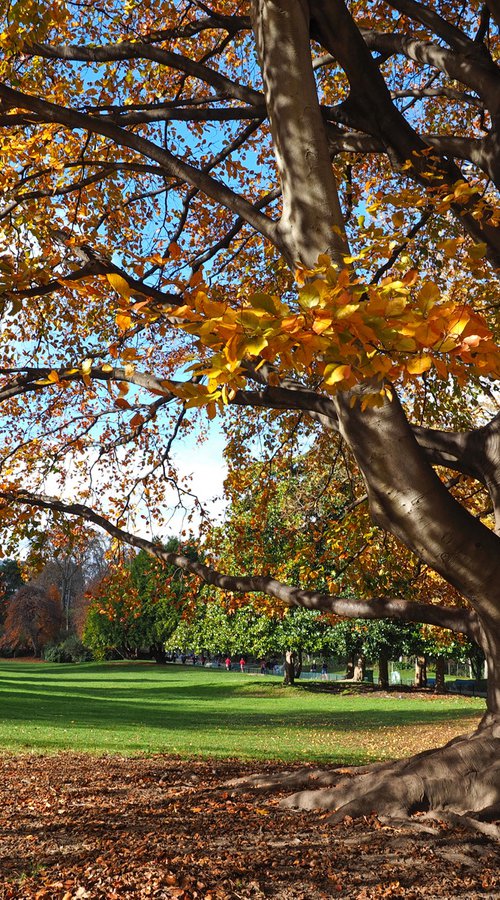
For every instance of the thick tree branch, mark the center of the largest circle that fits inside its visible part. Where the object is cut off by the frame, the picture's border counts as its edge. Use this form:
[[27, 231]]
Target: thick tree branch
[[481, 77], [370, 96], [453, 36], [34, 379], [457, 620], [410, 501], [469, 149], [494, 8], [161, 113], [231, 24], [461, 451], [464, 452], [312, 221]]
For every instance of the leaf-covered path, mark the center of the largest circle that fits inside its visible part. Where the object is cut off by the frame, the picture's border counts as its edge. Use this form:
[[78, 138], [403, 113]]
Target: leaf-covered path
[[77, 826]]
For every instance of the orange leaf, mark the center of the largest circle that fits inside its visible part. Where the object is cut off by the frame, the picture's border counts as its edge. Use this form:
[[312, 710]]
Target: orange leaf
[[123, 321]]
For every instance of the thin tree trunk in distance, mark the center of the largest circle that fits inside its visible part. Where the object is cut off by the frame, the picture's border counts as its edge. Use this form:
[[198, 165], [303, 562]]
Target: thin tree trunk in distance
[[440, 674], [420, 672], [383, 671]]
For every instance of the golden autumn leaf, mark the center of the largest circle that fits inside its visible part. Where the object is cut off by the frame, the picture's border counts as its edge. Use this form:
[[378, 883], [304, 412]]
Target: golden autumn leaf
[[174, 250], [334, 374], [119, 284], [419, 364]]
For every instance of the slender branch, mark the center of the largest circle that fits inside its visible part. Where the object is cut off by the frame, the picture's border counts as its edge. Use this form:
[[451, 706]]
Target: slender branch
[[162, 113], [214, 20], [172, 166], [127, 50]]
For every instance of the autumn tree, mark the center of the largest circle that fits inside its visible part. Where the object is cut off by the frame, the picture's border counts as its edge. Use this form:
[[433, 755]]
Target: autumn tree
[[33, 619], [67, 557], [335, 171], [137, 605]]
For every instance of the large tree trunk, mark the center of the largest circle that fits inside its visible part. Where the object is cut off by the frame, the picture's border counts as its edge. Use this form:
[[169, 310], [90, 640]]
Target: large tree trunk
[[159, 654]]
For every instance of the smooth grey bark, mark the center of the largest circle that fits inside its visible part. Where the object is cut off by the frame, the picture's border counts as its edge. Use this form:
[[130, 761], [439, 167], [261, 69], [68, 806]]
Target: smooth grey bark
[[311, 221]]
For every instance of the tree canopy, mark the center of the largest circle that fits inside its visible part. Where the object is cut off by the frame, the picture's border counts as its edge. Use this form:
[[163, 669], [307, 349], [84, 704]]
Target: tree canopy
[[260, 210]]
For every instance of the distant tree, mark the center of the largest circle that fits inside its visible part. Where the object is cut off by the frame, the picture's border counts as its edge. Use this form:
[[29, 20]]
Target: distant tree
[[11, 580], [137, 605], [67, 556], [33, 619], [441, 646]]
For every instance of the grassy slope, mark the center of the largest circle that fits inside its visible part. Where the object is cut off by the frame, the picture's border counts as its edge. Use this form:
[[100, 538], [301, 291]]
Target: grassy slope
[[128, 708]]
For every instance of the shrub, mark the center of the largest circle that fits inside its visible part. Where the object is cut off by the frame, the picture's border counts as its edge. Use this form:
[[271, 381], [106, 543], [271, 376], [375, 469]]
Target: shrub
[[68, 651]]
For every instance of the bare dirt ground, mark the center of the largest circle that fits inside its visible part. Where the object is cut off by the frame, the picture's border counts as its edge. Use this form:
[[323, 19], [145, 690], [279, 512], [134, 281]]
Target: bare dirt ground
[[74, 827]]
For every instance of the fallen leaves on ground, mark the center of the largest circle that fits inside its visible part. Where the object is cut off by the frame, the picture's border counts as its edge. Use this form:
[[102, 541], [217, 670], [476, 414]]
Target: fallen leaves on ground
[[77, 827]]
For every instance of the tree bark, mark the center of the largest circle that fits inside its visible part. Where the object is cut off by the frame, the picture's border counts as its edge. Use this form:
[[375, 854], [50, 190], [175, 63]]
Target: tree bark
[[289, 668], [420, 672], [440, 675], [383, 671], [359, 667], [311, 221], [159, 654]]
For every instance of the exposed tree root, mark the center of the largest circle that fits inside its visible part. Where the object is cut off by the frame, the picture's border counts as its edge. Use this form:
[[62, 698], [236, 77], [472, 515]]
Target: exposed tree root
[[459, 780], [458, 784]]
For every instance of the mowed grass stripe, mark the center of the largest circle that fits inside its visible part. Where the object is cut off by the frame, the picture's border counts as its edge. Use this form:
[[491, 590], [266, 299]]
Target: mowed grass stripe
[[130, 708]]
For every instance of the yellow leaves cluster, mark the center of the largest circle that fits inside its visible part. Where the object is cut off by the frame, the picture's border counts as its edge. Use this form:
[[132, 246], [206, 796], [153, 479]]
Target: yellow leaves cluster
[[30, 19], [337, 330]]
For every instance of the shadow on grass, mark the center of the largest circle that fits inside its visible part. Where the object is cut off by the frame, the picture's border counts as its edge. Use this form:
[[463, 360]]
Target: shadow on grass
[[105, 697]]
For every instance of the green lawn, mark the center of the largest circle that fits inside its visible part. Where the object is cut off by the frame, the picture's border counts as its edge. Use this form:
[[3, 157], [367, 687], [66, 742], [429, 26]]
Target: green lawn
[[129, 708]]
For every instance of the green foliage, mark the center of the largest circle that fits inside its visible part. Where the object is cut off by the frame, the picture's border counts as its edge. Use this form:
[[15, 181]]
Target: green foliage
[[373, 638], [11, 580], [136, 607], [71, 650]]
